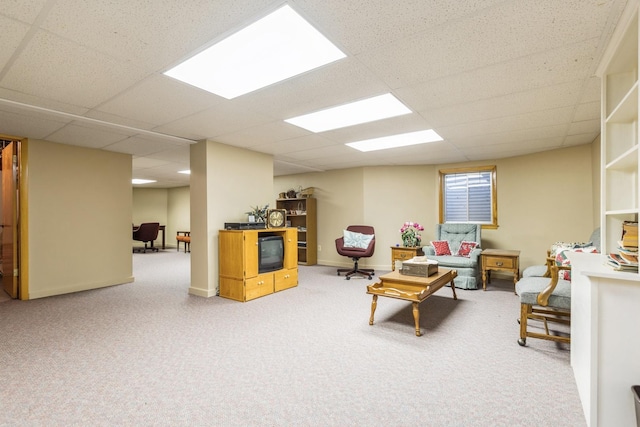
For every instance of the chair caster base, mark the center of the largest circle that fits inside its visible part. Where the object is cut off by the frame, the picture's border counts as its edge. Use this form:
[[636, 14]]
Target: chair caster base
[[522, 342]]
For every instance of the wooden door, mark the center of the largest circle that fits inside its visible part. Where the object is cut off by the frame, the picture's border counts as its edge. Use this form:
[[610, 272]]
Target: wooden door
[[9, 219]]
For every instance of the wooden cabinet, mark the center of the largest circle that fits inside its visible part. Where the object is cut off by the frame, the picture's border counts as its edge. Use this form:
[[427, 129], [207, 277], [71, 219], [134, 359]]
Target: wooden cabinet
[[301, 212], [620, 189], [403, 253], [239, 275]]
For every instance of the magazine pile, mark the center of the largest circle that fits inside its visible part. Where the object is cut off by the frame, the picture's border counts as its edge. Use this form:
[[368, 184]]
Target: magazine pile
[[625, 260], [617, 262]]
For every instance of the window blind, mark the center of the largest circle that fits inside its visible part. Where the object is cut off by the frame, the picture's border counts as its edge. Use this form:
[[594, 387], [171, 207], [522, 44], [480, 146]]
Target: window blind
[[467, 197]]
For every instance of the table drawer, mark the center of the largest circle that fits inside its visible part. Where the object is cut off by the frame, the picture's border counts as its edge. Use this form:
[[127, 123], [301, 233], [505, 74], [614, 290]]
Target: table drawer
[[404, 255], [499, 262]]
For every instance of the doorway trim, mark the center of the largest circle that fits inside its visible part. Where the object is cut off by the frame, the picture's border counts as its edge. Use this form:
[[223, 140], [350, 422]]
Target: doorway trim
[[22, 229]]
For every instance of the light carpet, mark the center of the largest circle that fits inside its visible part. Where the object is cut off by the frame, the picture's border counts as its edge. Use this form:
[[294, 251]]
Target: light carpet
[[149, 354]]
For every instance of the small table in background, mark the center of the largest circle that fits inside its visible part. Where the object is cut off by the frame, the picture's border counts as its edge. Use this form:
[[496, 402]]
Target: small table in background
[[499, 259], [403, 253]]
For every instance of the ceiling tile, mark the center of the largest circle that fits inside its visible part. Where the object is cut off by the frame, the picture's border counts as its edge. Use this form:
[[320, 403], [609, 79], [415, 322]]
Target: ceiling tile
[[140, 146], [83, 136], [25, 11], [81, 76], [12, 34]]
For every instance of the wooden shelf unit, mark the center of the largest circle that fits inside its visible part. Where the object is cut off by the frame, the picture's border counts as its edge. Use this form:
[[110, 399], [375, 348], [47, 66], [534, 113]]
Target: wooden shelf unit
[[302, 214], [238, 264]]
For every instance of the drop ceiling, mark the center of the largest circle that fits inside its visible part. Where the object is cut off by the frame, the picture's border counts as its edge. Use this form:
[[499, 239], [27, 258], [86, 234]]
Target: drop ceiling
[[494, 78]]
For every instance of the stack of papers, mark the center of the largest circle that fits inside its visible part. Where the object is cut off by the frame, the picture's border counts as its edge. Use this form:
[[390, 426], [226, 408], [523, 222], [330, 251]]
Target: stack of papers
[[629, 253]]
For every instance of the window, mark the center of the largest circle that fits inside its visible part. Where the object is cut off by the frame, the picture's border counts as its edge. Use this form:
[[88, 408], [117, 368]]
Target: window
[[469, 195]]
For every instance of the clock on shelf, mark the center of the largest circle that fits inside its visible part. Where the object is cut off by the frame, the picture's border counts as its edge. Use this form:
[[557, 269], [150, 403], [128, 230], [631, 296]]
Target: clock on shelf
[[276, 218]]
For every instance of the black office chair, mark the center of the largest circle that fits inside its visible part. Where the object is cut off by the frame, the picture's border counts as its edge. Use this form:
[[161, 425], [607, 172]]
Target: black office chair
[[147, 232], [356, 253]]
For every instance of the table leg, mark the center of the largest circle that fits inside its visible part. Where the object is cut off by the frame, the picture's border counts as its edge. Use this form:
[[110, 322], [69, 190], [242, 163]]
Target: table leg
[[516, 275], [453, 288], [416, 317], [484, 279], [374, 304]]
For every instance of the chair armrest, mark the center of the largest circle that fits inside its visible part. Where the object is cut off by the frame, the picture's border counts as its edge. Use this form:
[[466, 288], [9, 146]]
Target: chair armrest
[[543, 297], [550, 262], [475, 254], [428, 250]]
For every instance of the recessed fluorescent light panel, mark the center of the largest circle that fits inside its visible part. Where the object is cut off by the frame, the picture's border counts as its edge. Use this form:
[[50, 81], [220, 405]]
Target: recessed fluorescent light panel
[[142, 181], [364, 111], [272, 49], [395, 141]]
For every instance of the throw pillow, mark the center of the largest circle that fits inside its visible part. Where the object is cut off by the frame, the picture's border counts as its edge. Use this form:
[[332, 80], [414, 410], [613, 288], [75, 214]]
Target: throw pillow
[[356, 240], [441, 247], [558, 247], [562, 258], [466, 248]]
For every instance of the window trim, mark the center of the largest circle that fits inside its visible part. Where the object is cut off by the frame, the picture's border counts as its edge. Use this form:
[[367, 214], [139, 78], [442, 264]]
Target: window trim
[[494, 191]]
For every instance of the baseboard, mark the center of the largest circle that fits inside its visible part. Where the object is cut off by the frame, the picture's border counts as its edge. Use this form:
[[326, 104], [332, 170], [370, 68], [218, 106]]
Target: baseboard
[[77, 288], [206, 293]]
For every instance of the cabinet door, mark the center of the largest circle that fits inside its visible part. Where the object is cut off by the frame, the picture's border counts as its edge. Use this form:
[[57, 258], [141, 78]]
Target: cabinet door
[[259, 286], [285, 279], [251, 254], [290, 248]]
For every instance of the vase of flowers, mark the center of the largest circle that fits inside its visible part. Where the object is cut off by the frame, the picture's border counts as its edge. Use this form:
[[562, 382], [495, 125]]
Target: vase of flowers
[[410, 233]]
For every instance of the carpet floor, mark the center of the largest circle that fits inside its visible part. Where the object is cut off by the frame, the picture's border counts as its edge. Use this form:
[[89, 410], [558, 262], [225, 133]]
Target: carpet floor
[[149, 354]]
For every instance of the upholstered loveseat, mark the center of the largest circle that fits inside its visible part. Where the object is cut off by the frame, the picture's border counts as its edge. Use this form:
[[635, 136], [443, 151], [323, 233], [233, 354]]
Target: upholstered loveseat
[[468, 266]]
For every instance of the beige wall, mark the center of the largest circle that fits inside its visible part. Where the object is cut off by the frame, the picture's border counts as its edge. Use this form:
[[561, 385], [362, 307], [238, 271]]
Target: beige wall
[[150, 205], [178, 212], [542, 198], [79, 218]]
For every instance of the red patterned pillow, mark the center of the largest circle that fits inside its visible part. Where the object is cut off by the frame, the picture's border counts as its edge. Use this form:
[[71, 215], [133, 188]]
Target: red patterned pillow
[[466, 248], [441, 247]]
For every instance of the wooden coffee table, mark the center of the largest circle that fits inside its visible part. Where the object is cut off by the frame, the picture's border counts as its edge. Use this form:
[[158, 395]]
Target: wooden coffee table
[[410, 288]]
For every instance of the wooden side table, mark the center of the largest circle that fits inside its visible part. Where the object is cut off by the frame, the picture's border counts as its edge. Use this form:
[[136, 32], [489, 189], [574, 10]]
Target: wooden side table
[[499, 259], [403, 253]]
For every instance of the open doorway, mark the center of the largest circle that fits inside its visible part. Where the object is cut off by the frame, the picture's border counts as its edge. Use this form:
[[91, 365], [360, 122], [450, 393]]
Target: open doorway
[[9, 215]]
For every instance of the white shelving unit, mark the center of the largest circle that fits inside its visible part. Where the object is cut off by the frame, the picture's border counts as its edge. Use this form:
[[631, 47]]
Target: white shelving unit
[[605, 303], [620, 155]]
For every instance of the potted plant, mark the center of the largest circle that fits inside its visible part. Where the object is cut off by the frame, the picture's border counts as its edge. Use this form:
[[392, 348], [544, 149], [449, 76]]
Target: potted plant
[[258, 214]]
